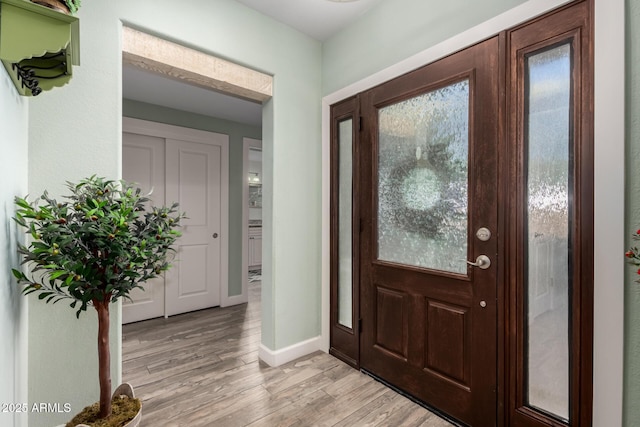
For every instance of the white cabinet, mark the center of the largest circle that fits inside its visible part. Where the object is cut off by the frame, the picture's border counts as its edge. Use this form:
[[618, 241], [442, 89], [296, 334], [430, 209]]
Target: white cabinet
[[255, 247]]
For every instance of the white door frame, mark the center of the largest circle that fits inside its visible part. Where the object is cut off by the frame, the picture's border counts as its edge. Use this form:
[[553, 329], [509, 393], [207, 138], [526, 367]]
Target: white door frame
[[162, 130]]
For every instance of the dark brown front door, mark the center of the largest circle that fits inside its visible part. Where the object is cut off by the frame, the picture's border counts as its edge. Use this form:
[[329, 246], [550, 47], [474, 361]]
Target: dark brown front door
[[429, 202]]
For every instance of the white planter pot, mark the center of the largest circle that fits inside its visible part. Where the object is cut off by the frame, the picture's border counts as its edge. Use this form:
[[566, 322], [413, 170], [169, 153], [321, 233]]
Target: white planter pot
[[127, 390]]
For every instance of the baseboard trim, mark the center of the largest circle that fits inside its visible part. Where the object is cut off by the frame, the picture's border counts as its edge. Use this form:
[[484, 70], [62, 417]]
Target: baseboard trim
[[287, 354]]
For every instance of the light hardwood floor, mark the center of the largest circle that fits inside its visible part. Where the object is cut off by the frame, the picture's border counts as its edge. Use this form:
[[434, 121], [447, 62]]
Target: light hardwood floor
[[202, 369]]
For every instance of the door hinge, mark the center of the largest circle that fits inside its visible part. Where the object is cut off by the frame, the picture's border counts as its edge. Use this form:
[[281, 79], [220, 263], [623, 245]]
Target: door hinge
[[360, 325], [360, 124]]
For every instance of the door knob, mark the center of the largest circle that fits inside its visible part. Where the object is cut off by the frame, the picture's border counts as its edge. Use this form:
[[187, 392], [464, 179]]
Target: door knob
[[482, 261], [215, 235]]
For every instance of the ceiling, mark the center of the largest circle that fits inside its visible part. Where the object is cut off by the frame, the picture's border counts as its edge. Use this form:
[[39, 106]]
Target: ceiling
[[319, 19], [140, 85]]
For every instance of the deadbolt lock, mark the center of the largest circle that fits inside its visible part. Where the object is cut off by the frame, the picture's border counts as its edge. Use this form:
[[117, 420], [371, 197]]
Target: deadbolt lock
[[483, 234]]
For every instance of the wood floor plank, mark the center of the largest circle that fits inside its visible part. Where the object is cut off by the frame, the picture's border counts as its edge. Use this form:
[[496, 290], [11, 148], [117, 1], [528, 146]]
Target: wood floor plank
[[202, 369], [346, 404], [295, 411]]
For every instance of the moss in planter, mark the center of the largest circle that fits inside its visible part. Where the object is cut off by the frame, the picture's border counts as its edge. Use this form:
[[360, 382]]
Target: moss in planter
[[123, 410]]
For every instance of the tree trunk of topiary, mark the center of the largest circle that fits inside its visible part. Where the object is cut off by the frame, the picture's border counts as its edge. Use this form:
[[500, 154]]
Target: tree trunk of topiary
[[104, 358]]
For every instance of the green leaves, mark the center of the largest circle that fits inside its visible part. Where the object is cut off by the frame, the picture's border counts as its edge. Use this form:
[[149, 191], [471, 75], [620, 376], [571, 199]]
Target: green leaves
[[73, 5], [98, 244], [18, 274]]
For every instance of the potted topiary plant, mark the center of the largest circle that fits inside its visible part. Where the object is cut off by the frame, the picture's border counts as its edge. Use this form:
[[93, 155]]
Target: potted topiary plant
[[94, 248], [70, 7]]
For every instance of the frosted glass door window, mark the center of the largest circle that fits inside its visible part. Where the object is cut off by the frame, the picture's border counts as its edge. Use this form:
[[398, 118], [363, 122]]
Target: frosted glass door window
[[548, 169], [423, 178], [345, 197]]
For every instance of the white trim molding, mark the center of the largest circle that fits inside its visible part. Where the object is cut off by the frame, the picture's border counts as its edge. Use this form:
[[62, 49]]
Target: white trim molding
[[609, 205], [287, 354], [609, 182]]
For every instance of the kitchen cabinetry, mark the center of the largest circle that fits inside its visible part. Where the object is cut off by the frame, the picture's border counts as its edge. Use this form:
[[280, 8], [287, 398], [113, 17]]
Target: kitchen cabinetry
[[255, 247]]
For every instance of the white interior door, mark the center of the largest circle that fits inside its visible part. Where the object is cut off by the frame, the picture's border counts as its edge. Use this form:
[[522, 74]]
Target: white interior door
[[193, 179], [143, 162]]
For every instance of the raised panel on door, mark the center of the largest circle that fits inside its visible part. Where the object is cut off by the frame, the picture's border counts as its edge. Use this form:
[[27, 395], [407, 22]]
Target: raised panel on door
[[392, 322], [194, 181], [428, 183], [255, 247], [448, 342], [143, 163]]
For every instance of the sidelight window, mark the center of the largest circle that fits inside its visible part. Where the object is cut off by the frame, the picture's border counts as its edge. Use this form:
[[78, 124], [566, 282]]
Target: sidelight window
[[548, 241]]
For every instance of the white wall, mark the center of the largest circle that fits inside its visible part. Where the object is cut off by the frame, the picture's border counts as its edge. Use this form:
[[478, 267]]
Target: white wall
[[397, 29], [13, 179]]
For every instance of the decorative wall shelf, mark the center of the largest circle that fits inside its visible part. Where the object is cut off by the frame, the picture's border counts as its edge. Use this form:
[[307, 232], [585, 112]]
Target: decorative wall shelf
[[38, 46]]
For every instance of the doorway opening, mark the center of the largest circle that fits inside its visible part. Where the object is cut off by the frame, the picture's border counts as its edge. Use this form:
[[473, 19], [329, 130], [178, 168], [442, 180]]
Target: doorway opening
[[172, 84], [232, 113]]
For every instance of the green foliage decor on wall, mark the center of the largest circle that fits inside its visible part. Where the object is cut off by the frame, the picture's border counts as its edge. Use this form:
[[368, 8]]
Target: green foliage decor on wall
[[73, 5]]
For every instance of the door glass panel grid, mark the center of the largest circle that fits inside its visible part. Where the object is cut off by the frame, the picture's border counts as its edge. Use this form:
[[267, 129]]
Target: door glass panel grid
[[423, 176], [548, 213]]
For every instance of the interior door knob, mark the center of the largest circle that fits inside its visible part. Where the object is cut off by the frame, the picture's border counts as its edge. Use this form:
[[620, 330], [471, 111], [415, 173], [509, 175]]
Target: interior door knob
[[482, 261], [215, 235]]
